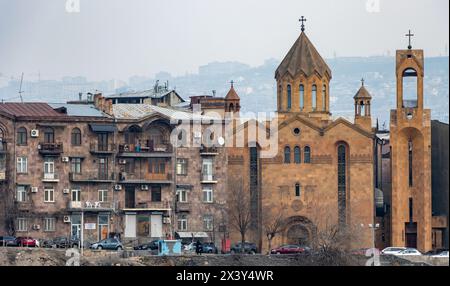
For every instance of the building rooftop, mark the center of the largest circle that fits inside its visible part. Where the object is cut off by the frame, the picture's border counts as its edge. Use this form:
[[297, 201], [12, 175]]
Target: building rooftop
[[137, 111], [29, 109], [87, 110]]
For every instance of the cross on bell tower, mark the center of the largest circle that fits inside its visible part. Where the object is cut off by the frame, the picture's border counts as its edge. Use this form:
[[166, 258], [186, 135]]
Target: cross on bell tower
[[409, 35], [302, 20]]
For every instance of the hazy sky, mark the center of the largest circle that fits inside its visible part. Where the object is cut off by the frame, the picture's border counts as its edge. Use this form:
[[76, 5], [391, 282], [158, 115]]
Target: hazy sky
[[121, 38]]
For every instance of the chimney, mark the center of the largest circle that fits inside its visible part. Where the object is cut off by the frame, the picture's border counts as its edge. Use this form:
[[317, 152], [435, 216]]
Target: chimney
[[80, 96]]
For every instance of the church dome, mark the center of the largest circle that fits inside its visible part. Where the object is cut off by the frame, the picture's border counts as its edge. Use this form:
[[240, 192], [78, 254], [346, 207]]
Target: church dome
[[303, 58], [232, 94], [362, 94]]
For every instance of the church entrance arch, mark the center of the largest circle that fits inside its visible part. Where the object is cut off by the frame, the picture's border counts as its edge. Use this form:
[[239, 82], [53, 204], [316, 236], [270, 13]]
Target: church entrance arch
[[299, 230]]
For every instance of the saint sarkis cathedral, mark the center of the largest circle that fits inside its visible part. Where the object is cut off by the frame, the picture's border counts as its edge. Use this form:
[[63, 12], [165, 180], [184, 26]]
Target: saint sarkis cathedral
[[326, 176]]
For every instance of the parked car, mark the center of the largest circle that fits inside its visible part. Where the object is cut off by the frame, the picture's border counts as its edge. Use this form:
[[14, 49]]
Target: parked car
[[392, 250], [249, 248], [109, 243], [409, 252], [153, 245], [443, 254], [61, 242], [364, 251], [189, 247], [7, 241], [288, 249], [209, 247], [27, 241], [435, 252]]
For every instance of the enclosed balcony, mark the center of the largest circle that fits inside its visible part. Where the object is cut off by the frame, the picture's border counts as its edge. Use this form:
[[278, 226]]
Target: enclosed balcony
[[164, 178], [50, 178], [208, 179], [148, 206], [96, 177], [50, 149]]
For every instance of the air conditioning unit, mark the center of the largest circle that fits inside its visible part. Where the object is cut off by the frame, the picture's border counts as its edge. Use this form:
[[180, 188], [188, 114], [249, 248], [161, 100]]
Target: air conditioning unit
[[118, 187], [144, 187], [65, 159], [166, 220], [122, 162], [66, 191], [66, 219], [197, 135], [34, 189], [34, 133], [36, 227]]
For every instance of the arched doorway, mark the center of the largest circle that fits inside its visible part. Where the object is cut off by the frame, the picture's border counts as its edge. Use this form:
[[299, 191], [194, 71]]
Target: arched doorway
[[298, 234]]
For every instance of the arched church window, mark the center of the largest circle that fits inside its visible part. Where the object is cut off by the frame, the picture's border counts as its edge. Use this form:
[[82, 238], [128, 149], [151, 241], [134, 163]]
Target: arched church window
[[314, 97], [302, 96], [324, 97], [287, 155], [410, 163], [298, 190], [297, 156], [362, 108], [342, 183], [289, 96], [307, 155], [410, 92]]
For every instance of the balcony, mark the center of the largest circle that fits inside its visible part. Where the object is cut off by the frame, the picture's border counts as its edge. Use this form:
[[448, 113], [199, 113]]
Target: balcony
[[183, 207], [50, 149], [92, 206], [208, 179], [102, 149], [24, 206], [209, 151], [125, 178], [50, 178], [149, 206], [92, 178], [157, 151]]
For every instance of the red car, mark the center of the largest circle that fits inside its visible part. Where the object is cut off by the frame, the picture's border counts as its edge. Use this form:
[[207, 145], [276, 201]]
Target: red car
[[288, 249], [26, 241]]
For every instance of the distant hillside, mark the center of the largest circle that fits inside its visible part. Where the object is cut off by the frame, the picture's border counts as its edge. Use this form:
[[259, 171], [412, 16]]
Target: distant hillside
[[256, 85]]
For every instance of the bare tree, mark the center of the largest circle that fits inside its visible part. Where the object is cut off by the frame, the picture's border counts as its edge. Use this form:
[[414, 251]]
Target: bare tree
[[239, 211], [273, 224]]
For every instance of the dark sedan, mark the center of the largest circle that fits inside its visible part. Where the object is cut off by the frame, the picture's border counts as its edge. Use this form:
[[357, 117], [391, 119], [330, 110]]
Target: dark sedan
[[209, 247], [153, 245], [249, 248], [8, 241], [288, 249]]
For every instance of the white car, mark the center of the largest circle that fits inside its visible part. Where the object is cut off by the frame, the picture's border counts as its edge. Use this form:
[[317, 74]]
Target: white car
[[409, 252], [392, 250], [443, 254]]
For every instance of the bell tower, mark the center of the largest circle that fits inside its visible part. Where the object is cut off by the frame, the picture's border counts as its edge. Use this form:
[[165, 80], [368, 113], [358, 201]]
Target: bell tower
[[362, 99], [410, 136]]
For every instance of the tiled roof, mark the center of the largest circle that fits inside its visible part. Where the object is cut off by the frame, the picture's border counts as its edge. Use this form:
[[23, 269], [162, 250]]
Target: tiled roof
[[232, 94], [362, 93], [79, 109], [303, 57], [142, 94], [31, 109]]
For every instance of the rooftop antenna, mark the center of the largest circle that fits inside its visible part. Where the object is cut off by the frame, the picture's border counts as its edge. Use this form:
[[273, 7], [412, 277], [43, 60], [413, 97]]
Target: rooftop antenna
[[20, 89]]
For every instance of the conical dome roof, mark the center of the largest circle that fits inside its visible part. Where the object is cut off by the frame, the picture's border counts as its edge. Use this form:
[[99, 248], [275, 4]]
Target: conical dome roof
[[362, 94], [232, 94], [303, 57]]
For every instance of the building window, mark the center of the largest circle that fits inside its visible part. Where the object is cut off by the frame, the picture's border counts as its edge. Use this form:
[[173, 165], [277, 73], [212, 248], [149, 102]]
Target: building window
[[76, 137], [76, 195], [102, 141], [314, 97], [49, 195], [182, 167], [103, 168], [287, 155], [49, 224], [410, 163], [49, 135], [324, 97], [156, 194], [289, 97], [21, 194], [22, 136], [298, 190], [182, 223], [302, 96], [75, 165], [49, 168], [22, 165], [342, 184], [157, 166], [208, 195], [182, 195], [297, 155], [129, 166], [307, 151], [22, 224], [207, 170], [103, 196], [254, 184], [208, 223]]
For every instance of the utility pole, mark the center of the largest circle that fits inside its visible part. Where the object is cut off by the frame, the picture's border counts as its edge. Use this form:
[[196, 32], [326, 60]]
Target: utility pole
[[20, 89]]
